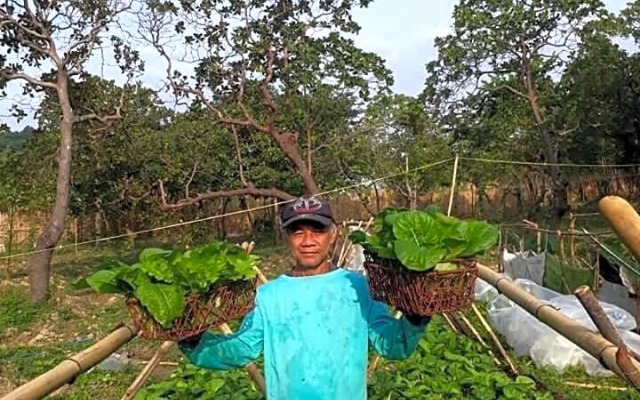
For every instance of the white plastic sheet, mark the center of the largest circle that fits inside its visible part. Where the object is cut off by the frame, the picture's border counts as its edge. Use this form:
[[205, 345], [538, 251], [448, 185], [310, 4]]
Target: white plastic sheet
[[528, 336]]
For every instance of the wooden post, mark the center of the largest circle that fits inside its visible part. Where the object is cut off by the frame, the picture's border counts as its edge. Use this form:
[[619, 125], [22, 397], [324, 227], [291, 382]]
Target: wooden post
[[600, 318], [453, 184]]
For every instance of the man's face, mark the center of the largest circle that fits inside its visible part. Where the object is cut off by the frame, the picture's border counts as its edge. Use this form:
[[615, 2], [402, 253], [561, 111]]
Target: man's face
[[310, 243]]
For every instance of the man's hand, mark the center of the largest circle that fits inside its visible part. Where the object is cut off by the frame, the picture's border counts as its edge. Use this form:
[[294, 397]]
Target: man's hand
[[417, 320]]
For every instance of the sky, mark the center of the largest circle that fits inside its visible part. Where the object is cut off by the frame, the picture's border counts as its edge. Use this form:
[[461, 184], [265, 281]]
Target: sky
[[403, 36]]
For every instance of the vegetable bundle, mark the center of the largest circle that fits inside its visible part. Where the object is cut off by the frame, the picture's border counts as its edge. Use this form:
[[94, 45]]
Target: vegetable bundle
[[162, 279], [424, 240]]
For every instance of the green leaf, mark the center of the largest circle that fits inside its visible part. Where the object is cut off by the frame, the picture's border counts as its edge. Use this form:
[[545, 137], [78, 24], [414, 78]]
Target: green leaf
[[446, 267], [358, 237], [165, 302], [416, 226], [479, 235], [416, 257], [155, 262], [104, 281]]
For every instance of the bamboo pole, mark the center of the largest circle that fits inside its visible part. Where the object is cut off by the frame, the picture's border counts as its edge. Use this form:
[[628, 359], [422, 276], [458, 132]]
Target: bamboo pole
[[589, 341], [453, 184], [624, 220], [73, 366], [147, 370]]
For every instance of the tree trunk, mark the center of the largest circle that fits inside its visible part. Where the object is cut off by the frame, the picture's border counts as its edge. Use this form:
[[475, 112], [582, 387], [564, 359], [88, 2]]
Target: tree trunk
[[288, 144], [559, 203], [39, 263]]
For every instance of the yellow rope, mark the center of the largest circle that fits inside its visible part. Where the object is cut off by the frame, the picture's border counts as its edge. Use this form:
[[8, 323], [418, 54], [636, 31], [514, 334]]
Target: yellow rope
[[218, 216]]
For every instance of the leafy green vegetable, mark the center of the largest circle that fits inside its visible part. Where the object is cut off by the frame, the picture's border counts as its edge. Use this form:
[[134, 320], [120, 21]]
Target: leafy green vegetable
[[162, 279], [422, 240]]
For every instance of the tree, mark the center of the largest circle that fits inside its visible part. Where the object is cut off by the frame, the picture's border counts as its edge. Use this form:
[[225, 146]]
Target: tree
[[63, 34], [398, 136], [256, 60], [517, 47]]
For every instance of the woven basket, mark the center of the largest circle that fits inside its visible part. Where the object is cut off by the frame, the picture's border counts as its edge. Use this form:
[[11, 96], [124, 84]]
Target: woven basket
[[201, 312], [421, 293]]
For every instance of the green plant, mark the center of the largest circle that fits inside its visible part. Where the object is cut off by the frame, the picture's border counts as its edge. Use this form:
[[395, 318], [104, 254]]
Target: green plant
[[191, 382], [422, 240], [449, 366], [162, 279]]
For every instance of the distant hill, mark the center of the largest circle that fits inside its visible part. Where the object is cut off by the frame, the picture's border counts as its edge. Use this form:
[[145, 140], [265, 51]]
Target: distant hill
[[15, 140]]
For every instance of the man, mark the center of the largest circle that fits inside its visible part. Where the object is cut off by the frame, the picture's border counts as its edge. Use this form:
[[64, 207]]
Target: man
[[314, 323]]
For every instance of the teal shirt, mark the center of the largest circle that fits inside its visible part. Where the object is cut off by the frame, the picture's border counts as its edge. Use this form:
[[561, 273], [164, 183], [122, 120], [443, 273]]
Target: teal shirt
[[314, 332]]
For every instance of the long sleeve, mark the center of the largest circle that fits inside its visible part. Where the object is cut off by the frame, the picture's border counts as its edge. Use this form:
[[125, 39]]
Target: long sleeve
[[392, 338], [225, 352]]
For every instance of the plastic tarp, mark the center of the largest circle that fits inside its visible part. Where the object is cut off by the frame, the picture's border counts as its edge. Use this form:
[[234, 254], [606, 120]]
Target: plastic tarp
[[524, 265], [530, 337]]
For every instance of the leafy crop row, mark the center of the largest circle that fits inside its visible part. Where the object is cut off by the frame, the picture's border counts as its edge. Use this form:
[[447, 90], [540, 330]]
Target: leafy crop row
[[445, 366]]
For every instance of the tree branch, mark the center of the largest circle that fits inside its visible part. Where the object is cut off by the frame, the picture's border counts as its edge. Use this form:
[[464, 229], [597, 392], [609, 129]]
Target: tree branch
[[247, 191], [105, 119], [9, 76], [509, 88]]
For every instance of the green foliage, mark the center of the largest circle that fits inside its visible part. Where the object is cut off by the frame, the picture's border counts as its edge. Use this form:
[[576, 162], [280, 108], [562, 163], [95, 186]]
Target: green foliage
[[422, 240], [23, 313], [449, 366], [191, 382], [162, 279], [445, 366]]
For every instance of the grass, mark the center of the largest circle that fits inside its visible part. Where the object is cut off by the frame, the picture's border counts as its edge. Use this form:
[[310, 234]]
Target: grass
[[33, 339]]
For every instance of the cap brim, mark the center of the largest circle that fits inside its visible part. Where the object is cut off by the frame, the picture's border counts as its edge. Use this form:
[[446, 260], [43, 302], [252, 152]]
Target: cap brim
[[309, 218]]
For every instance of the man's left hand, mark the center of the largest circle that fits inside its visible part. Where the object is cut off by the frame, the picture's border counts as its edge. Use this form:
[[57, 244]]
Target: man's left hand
[[417, 320]]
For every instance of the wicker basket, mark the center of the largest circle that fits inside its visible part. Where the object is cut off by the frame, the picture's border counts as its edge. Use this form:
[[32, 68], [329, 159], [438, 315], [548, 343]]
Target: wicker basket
[[201, 312], [421, 293]]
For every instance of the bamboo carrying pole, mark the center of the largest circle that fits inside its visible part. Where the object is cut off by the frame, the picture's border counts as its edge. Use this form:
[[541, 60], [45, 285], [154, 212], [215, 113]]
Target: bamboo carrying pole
[[73, 366], [591, 342], [624, 220]]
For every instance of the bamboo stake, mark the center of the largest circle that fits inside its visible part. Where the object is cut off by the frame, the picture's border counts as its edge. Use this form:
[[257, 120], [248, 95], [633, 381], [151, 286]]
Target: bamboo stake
[[450, 323], [477, 336], [598, 316], [589, 341], [147, 370], [592, 386], [73, 366], [495, 339], [453, 184]]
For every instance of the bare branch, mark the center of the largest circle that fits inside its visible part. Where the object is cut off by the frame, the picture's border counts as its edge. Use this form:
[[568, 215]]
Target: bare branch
[[193, 173], [509, 88], [236, 142], [4, 73], [247, 191]]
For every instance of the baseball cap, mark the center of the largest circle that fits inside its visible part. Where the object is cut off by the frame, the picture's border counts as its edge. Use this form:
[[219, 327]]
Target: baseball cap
[[307, 208]]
